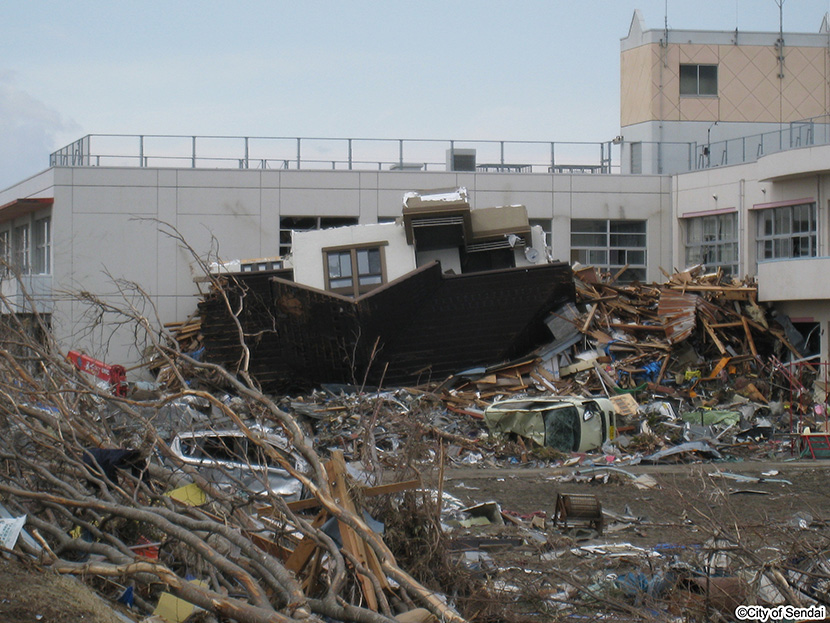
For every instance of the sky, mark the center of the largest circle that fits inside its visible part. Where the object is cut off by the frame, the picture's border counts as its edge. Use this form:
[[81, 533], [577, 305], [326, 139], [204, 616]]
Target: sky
[[439, 69]]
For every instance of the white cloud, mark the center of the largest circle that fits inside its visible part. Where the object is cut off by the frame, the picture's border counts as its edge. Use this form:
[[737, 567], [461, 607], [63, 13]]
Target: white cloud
[[28, 132]]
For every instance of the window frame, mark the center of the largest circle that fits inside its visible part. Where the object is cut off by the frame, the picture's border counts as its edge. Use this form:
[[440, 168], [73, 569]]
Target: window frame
[[308, 223], [5, 251], [608, 253], [778, 243], [713, 242], [355, 287], [41, 260], [697, 92], [21, 248]]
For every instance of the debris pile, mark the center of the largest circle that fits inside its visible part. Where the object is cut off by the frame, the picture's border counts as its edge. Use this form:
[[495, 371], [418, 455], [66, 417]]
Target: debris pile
[[162, 498]]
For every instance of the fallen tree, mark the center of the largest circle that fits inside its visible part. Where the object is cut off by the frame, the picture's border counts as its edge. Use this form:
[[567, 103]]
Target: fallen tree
[[95, 520]]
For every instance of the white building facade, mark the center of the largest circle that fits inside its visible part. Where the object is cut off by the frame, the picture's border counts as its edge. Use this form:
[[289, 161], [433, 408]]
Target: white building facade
[[745, 207]]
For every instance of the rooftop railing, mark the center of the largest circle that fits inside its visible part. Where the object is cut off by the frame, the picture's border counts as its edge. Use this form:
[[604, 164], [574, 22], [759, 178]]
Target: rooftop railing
[[154, 150], [294, 153], [814, 131]]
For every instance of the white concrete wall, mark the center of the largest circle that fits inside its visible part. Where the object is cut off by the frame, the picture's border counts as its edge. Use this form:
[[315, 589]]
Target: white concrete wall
[[307, 250], [794, 280], [112, 225]]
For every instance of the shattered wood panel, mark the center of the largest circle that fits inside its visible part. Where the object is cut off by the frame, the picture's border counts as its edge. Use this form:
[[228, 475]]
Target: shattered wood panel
[[477, 319], [678, 313]]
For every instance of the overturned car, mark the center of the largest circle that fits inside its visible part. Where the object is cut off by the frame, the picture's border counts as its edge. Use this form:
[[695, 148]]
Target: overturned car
[[565, 423], [230, 460]]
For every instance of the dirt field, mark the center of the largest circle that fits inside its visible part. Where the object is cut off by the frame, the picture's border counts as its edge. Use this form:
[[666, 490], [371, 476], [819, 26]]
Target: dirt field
[[687, 507], [674, 524], [685, 494]]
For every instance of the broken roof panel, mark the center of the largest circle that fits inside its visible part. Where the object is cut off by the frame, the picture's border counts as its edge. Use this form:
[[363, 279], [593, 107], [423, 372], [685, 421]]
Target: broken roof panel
[[427, 325]]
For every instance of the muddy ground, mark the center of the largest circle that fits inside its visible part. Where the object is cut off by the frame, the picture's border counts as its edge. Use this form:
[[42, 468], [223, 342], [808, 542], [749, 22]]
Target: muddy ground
[[672, 521], [674, 524]]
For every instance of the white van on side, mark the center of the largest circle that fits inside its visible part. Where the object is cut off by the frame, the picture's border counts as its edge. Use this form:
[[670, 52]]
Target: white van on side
[[566, 423]]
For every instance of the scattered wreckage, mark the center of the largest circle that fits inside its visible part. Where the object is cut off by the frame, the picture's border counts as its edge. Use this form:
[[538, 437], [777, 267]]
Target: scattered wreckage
[[705, 378]]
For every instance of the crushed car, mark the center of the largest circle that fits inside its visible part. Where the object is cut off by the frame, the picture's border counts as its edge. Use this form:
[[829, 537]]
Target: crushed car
[[565, 423], [230, 460]]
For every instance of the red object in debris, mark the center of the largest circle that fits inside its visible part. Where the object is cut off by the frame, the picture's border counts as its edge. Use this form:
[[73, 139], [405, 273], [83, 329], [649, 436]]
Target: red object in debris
[[146, 548], [115, 374]]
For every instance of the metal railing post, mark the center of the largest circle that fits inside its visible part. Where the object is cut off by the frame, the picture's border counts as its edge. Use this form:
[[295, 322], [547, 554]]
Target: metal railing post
[[501, 162], [246, 152], [193, 154], [552, 157], [298, 152], [400, 153], [350, 154], [141, 151]]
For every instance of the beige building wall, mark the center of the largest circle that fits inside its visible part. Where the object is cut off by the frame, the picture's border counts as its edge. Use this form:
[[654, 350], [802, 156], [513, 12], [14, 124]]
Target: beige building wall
[[749, 90]]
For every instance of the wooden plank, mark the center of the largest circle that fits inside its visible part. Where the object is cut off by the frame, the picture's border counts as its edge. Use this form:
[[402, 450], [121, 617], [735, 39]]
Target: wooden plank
[[662, 370], [268, 546], [714, 337], [749, 339], [590, 318], [299, 558], [726, 325], [717, 369], [351, 542], [638, 327]]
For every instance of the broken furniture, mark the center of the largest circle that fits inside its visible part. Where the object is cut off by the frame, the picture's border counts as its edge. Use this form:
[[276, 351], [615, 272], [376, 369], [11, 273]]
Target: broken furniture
[[578, 509]]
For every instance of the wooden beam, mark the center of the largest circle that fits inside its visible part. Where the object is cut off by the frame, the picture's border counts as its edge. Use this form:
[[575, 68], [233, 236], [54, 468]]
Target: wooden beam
[[749, 339], [299, 558], [590, 317], [714, 337]]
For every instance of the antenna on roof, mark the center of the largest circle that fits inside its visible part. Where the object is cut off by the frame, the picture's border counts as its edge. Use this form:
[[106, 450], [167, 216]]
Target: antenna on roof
[[780, 42]]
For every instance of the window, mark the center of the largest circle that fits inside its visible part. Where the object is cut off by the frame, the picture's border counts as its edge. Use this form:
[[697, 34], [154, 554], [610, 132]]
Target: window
[[307, 223], [354, 271], [5, 252], [713, 240], [611, 245], [787, 232], [42, 260], [20, 249], [698, 80]]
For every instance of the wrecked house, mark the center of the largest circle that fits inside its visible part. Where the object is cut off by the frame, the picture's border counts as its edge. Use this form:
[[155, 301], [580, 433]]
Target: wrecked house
[[441, 290]]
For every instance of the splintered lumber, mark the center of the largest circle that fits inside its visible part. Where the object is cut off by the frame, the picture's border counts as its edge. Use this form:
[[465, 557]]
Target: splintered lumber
[[748, 334], [715, 338], [351, 543], [590, 318], [733, 293]]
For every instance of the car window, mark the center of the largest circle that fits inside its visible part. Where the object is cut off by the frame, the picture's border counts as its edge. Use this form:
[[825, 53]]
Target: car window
[[563, 429]]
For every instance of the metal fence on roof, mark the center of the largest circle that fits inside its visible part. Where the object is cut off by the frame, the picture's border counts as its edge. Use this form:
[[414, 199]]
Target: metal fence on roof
[[246, 152], [337, 153]]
